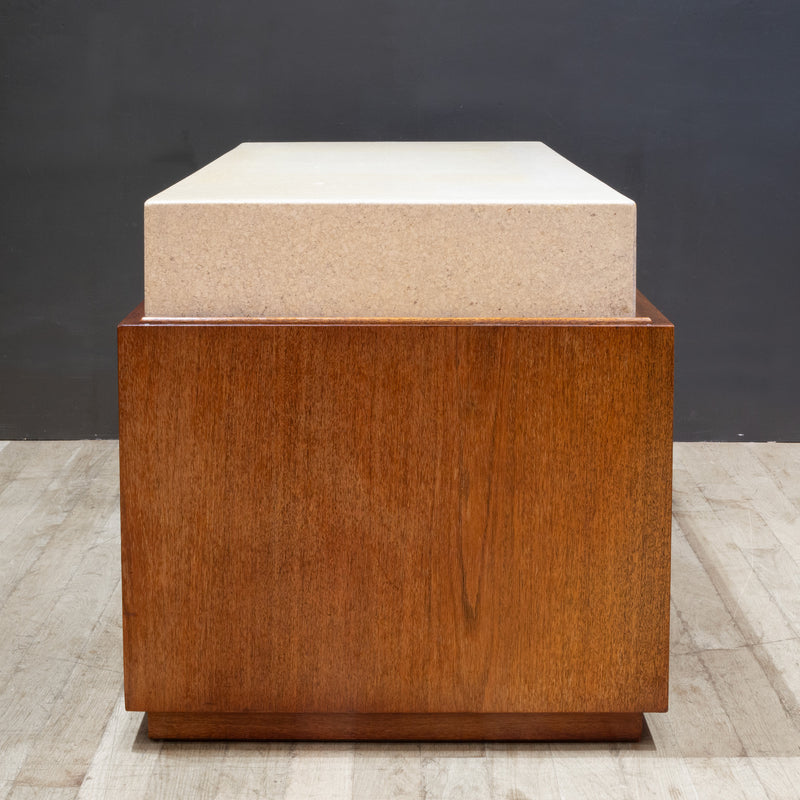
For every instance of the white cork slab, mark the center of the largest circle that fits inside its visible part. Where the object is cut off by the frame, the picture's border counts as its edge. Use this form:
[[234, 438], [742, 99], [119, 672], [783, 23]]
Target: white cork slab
[[390, 229]]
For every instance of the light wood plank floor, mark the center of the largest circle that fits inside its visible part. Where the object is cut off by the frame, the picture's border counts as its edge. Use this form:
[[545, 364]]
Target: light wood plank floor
[[733, 729]]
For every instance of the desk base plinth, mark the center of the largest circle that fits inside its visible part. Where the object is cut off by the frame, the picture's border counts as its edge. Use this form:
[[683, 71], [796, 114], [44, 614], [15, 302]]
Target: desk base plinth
[[397, 727]]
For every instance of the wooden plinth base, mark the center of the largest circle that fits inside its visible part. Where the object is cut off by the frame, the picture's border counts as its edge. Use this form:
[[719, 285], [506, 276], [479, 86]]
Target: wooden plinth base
[[394, 727]]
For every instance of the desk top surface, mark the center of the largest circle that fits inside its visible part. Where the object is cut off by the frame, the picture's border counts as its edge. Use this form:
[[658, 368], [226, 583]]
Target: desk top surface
[[475, 173]]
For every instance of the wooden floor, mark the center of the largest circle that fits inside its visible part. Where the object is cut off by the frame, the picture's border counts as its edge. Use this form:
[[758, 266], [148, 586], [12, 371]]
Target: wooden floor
[[733, 729]]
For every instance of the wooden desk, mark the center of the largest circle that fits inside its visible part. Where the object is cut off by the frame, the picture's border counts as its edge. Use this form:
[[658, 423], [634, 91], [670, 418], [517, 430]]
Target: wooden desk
[[398, 529]]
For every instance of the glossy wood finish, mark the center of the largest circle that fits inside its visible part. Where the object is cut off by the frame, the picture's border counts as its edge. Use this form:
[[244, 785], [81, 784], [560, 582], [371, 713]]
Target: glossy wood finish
[[396, 518], [398, 727]]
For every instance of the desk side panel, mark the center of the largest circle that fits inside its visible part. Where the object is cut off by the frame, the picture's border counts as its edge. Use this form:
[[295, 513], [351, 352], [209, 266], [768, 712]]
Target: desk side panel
[[395, 519]]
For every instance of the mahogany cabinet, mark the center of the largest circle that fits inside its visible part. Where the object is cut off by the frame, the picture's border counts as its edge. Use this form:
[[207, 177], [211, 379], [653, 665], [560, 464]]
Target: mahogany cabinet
[[396, 529]]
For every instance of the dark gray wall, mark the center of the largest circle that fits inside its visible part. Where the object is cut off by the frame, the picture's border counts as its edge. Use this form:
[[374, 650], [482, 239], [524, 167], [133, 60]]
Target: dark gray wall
[[692, 109]]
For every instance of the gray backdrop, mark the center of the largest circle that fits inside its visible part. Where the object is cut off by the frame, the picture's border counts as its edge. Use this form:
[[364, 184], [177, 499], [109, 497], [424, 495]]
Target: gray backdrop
[[691, 109]]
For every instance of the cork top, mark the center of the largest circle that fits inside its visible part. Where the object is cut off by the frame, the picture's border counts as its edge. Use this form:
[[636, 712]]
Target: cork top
[[471, 173]]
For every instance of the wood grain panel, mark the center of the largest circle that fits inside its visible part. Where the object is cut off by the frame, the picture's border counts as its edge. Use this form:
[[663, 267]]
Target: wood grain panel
[[395, 518]]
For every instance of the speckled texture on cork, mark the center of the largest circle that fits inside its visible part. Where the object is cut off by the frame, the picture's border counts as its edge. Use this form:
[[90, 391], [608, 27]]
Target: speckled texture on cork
[[390, 229]]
